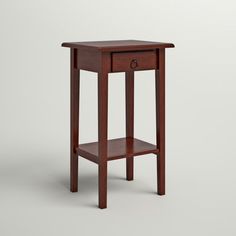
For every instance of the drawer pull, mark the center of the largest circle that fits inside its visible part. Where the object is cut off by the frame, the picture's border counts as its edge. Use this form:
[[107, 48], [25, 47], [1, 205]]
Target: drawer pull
[[133, 64]]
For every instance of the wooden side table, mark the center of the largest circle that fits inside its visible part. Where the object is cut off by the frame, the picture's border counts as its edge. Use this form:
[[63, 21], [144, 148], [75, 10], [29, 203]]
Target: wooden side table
[[106, 57]]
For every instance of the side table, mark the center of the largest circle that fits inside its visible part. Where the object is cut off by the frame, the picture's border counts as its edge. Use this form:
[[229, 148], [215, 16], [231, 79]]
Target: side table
[[106, 57]]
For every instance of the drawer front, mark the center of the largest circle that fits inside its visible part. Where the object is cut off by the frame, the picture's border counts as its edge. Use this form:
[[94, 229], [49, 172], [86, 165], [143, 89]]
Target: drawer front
[[129, 61]]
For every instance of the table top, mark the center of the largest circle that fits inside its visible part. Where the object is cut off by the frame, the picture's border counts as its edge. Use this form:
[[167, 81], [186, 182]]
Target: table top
[[117, 45]]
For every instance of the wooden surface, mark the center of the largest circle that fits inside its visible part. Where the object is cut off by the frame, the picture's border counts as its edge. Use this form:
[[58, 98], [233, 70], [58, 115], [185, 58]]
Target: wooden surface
[[130, 61], [117, 149], [88, 60], [117, 45]]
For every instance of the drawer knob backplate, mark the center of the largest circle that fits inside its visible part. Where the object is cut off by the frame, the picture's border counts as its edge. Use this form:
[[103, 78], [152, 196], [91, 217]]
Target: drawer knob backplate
[[133, 64]]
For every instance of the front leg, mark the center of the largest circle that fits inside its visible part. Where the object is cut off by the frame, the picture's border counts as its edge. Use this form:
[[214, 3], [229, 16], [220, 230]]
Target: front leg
[[160, 122], [74, 122]]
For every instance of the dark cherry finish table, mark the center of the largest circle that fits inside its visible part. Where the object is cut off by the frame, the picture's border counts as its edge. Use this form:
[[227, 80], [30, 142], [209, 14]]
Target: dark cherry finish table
[[105, 57]]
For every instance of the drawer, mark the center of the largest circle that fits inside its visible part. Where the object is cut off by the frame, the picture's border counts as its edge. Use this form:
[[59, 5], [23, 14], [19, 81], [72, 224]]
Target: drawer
[[129, 61]]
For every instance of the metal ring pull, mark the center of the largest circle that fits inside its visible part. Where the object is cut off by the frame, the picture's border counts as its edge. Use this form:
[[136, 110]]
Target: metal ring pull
[[133, 64]]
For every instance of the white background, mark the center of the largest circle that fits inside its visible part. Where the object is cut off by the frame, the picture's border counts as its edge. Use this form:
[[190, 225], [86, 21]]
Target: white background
[[34, 119]]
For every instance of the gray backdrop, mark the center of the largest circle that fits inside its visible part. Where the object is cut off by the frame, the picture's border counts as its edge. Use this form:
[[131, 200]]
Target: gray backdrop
[[34, 119]]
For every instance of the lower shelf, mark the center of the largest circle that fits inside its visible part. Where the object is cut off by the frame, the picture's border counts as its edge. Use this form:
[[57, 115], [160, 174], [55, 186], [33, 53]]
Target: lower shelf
[[117, 148]]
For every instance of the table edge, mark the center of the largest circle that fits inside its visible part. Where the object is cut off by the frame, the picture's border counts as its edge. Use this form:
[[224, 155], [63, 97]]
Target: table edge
[[118, 48]]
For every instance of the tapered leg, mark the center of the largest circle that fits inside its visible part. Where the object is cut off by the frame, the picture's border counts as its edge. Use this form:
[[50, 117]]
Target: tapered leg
[[129, 94], [102, 132], [160, 122], [74, 122]]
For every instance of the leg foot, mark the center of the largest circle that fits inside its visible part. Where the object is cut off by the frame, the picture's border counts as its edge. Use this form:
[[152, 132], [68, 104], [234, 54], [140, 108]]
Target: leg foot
[[102, 185], [160, 176], [74, 174], [130, 168]]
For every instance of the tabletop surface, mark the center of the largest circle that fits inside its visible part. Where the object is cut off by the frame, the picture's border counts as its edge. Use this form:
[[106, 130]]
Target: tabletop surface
[[118, 45]]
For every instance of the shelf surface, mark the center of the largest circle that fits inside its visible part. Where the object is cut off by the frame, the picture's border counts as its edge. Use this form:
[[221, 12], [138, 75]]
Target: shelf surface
[[117, 148]]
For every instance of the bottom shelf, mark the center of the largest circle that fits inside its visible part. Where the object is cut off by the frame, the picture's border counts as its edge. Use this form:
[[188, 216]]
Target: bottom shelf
[[117, 148]]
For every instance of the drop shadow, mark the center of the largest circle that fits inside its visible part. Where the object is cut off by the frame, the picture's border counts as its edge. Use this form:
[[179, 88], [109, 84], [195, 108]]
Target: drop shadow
[[40, 177]]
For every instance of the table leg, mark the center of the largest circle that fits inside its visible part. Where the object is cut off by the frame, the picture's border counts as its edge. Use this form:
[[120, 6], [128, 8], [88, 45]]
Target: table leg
[[160, 122], [74, 122], [102, 136], [129, 93]]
